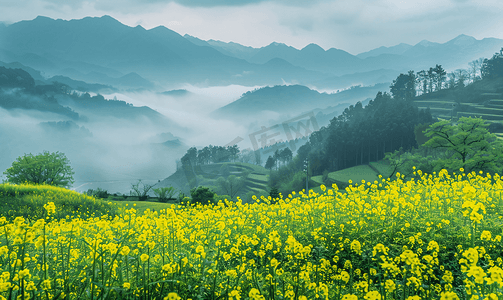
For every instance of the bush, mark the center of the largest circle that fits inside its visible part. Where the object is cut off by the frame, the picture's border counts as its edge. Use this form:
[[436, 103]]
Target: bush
[[202, 195], [217, 198], [165, 193], [274, 193], [98, 193], [140, 191]]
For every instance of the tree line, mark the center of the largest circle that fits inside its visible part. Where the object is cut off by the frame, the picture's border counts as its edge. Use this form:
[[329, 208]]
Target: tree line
[[210, 154], [434, 79]]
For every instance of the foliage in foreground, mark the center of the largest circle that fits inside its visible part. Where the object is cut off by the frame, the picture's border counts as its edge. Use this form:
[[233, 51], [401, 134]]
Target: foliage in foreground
[[435, 237], [465, 144], [28, 200], [44, 168]]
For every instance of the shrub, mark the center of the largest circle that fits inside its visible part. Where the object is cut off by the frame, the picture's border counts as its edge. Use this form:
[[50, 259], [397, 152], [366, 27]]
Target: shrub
[[165, 193], [141, 190], [217, 198], [98, 193], [202, 195]]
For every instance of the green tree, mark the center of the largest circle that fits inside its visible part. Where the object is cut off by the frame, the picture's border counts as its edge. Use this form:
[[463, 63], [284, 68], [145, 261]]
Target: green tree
[[439, 77], [270, 163], [469, 142], [165, 193], [404, 86], [493, 67], [230, 186], [202, 195], [45, 168], [286, 155]]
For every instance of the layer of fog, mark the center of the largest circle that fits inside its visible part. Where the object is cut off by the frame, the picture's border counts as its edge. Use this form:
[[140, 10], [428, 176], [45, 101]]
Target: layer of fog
[[192, 111], [120, 151], [117, 154]]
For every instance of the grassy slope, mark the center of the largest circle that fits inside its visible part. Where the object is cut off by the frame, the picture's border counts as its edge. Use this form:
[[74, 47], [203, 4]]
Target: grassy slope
[[355, 174], [28, 200], [141, 206]]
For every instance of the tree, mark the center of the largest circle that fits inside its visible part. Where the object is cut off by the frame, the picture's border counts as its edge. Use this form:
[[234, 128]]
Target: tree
[[192, 155], [233, 152], [286, 155], [439, 76], [45, 168], [493, 67], [461, 75], [471, 145], [140, 191], [452, 82], [270, 163], [404, 86], [475, 67], [230, 186], [202, 195], [422, 80], [204, 155], [258, 159]]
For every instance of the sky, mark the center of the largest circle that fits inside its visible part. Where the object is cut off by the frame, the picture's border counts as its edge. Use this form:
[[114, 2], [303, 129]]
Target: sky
[[355, 26]]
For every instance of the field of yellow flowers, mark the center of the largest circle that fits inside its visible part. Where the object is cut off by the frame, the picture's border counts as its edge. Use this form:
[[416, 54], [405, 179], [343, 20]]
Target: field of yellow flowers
[[434, 237]]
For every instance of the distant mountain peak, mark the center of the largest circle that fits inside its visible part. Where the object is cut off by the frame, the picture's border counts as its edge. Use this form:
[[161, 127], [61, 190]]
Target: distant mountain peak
[[426, 43], [39, 18], [313, 48], [463, 39], [278, 44]]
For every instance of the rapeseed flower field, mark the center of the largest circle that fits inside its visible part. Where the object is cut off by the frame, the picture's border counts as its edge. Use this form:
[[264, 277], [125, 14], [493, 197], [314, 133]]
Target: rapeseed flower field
[[436, 236]]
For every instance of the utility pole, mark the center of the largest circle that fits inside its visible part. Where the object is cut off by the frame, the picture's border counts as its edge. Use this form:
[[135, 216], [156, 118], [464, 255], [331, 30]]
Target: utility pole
[[306, 166]]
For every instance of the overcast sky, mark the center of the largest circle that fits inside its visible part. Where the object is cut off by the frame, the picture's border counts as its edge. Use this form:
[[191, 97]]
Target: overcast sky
[[352, 25]]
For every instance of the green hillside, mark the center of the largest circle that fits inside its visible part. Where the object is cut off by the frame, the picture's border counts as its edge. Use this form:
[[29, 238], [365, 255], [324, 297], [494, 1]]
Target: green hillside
[[482, 99], [256, 178], [356, 174]]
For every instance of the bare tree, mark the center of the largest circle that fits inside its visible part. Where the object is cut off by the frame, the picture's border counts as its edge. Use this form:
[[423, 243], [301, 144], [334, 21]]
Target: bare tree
[[474, 70], [451, 82], [461, 74]]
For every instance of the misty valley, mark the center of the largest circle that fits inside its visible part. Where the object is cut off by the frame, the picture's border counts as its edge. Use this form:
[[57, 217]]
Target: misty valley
[[145, 164]]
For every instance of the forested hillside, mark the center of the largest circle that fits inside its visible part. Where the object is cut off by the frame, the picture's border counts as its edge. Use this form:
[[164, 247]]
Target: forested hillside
[[18, 90], [394, 121]]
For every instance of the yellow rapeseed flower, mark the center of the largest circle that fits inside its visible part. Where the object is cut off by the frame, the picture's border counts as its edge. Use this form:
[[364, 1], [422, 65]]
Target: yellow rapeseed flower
[[172, 296], [449, 296]]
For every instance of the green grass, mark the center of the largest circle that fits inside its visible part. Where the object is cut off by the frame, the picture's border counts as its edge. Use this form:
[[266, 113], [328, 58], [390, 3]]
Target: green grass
[[317, 179], [259, 177], [28, 200], [356, 174], [382, 167], [483, 116], [141, 206], [477, 108]]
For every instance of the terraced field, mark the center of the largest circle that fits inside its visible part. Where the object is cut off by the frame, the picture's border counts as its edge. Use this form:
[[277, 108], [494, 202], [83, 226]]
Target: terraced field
[[206, 175], [482, 99]]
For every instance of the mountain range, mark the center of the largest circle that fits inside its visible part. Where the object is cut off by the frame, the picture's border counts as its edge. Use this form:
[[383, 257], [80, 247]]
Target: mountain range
[[291, 100], [453, 54], [102, 50]]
